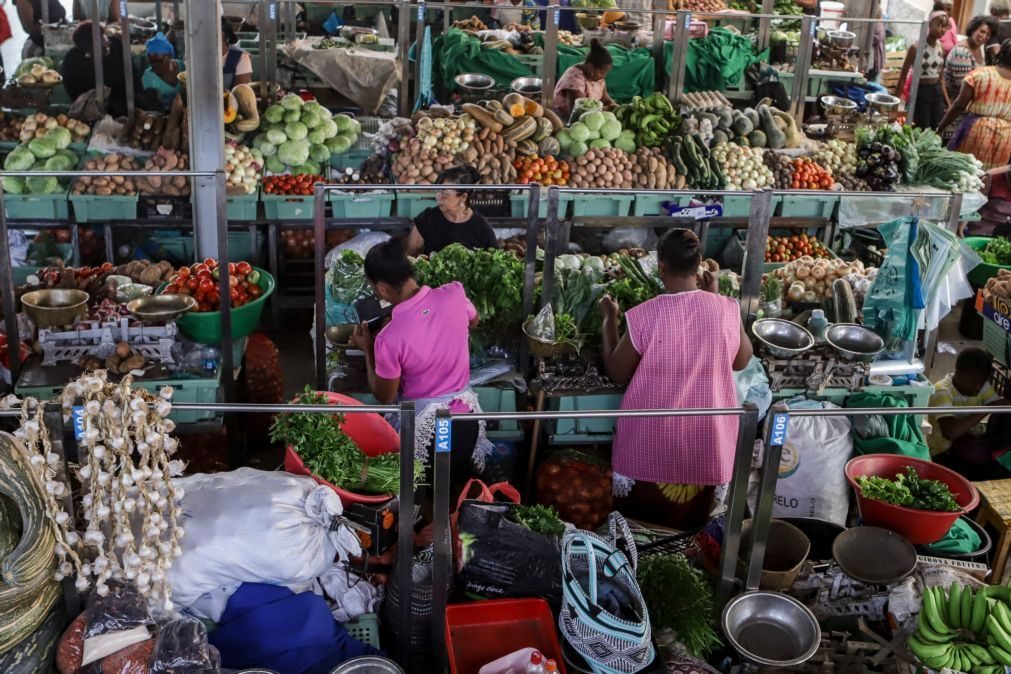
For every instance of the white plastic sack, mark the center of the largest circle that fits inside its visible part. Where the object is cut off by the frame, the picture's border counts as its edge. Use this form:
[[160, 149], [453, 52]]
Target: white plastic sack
[[361, 243], [811, 478], [254, 526]]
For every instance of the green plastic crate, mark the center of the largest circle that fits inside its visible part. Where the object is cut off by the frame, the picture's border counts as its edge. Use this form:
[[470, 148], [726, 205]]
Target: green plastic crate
[[492, 399], [584, 430], [411, 204], [351, 159], [365, 205], [652, 204], [38, 206], [601, 205], [365, 628], [179, 247], [97, 208], [818, 205], [242, 207], [736, 207], [518, 204], [282, 207]]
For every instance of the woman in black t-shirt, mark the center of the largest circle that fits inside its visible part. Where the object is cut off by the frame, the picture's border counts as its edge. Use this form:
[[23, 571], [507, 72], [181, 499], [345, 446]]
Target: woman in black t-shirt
[[453, 220]]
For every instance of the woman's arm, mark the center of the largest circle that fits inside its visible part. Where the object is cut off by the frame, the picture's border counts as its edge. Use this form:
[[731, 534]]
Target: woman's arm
[[620, 357], [744, 352], [944, 90], [607, 100], [957, 106], [415, 243], [385, 390], [906, 65]]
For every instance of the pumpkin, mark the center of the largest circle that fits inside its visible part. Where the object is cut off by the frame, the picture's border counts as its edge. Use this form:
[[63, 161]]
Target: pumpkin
[[231, 108], [611, 17], [245, 102]]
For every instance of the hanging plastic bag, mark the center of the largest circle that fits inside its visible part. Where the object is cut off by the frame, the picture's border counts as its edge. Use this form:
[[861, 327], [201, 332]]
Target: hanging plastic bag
[[543, 325], [113, 622]]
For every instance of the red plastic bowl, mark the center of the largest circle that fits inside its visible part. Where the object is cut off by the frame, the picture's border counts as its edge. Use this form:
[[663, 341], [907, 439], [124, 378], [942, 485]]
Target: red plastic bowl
[[921, 527], [369, 431]]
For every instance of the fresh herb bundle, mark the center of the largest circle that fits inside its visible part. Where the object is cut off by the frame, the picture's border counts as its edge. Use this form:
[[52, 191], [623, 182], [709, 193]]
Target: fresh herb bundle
[[678, 598], [910, 491], [540, 519], [329, 453], [998, 251]]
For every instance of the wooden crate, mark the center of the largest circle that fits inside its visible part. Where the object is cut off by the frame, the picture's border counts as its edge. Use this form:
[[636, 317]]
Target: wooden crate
[[894, 59]]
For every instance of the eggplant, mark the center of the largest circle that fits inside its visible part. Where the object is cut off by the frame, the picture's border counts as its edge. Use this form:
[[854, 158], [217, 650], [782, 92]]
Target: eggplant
[[874, 160], [862, 171], [876, 147], [891, 175]]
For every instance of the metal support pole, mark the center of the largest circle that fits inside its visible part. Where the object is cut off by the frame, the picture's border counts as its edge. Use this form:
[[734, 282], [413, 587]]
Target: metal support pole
[[319, 299], [8, 298], [954, 211], [75, 244], [97, 49], [271, 72], [157, 13], [866, 54], [261, 21], [676, 84], [45, 13], [754, 254], [175, 11], [550, 247], [768, 7], [274, 263], [737, 498], [658, 20], [443, 551], [53, 419], [206, 117], [403, 46], [227, 355], [550, 63], [803, 64], [405, 533], [447, 19], [530, 259], [124, 25], [776, 426], [914, 73], [419, 38]]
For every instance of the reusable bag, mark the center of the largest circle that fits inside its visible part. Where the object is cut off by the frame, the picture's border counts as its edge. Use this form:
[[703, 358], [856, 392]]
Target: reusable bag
[[604, 616]]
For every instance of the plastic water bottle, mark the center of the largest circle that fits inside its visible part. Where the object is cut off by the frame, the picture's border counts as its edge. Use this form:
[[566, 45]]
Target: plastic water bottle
[[209, 359], [535, 666], [551, 667], [817, 324]]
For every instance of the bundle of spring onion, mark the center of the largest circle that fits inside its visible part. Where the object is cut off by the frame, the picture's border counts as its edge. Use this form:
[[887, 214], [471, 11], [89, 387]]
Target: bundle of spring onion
[[953, 171]]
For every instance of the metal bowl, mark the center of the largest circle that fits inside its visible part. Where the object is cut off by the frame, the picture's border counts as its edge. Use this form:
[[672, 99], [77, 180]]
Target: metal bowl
[[526, 85], [854, 342], [339, 335], [838, 104], [588, 21], [783, 339], [368, 664], [873, 555], [771, 629], [841, 39], [629, 26], [158, 309], [351, 33], [474, 82], [54, 307], [882, 102]]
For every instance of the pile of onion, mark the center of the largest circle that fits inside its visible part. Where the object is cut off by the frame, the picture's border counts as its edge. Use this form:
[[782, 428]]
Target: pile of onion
[[578, 487], [809, 280]]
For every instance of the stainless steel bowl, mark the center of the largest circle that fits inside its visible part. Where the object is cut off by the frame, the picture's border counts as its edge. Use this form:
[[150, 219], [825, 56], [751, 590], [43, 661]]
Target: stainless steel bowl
[[526, 85], [782, 339], [474, 82], [837, 104], [158, 309], [854, 342], [340, 335], [54, 307], [368, 664], [771, 629], [841, 39], [882, 102], [351, 33], [873, 555], [629, 26]]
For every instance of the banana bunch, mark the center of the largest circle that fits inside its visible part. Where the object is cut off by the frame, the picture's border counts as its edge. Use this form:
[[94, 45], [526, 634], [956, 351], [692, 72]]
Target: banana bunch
[[962, 631], [652, 119], [680, 493]]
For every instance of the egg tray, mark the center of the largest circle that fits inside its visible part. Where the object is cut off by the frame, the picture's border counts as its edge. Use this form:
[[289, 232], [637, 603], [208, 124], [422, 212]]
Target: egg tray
[[99, 339]]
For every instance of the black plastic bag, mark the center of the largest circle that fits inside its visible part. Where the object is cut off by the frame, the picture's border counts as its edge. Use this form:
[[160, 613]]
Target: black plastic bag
[[182, 648], [502, 559]]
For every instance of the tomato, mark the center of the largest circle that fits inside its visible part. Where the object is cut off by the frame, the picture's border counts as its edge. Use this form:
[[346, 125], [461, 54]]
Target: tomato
[[171, 289], [255, 291], [184, 272], [206, 285]]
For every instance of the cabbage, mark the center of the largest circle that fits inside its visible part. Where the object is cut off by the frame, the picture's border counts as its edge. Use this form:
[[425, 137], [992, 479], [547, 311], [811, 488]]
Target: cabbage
[[42, 185], [600, 142], [316, 136], [296, 131], [274, 114], [260, 139], [593, 120], [14, 185], [564, 139], [329, 128], [293, 152], [594, 135], [609, 116], [579, 132], [292, 116], [578, 148], [42, 148], [60, 163], [354, 127], [268, 149], [339, 144], [310, 168], [324, 114], [625, 144], [319, 153], [611, 130], [276, 137], [312, 106], [61, 137], [343, 122], [292, 102], [20, 159], [310, 119], [275, 165]]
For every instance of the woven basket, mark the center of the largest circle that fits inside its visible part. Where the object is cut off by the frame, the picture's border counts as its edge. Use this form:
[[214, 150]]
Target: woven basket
[[545, 349]]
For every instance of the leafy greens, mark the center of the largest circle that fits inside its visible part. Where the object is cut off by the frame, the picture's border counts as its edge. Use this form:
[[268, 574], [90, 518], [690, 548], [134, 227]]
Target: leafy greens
[[910, 491]]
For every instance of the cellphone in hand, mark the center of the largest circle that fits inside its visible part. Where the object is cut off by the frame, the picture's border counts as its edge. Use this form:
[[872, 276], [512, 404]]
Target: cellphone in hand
[[370, 311]]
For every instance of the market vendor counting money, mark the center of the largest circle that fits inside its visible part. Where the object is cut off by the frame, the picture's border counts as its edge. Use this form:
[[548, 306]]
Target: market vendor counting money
[[585, 80], [680, 352]]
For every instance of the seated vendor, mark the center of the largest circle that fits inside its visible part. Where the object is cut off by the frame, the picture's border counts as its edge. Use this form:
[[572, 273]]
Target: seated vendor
[[673, 471], [237, 66], [78, 69], [585, 80], [162, 76], [957, 441], [452, 220]]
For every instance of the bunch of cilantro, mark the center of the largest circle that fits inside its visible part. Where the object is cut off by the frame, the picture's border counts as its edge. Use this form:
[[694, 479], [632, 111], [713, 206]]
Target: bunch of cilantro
[[909, 491]]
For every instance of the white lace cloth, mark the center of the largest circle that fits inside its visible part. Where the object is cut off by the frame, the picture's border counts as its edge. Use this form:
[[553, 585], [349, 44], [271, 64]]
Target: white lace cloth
[[426, 410]]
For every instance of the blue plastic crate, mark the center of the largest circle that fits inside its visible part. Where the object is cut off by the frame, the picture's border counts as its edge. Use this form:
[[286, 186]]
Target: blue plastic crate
[[411, 204], [819, 205], [38, 206], [242, 207], [283, 207], [584, 430], [518, 204]]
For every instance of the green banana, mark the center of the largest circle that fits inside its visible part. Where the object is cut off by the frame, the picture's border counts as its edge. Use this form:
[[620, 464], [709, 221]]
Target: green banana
[[926, 651], [978, 611], [998, 633], [965, 612], [932, 612], [982, 655], [955, 605], [1000, 655], [926, 634], [1003, 615]]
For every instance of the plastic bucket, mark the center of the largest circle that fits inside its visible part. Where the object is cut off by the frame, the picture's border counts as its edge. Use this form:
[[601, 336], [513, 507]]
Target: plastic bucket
[[831, 10], [921, 527], [205, 327], [785, 553]]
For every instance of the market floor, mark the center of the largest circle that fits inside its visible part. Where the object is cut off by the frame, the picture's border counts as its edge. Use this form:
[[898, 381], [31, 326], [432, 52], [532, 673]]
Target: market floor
[[294, 344]]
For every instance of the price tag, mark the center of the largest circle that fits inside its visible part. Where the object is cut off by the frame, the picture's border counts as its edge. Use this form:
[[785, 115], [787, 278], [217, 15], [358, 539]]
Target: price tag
[[557, 15], [777, 436], [443, 435], [77, 417], [688, 20], [814, 29], [421, 12]]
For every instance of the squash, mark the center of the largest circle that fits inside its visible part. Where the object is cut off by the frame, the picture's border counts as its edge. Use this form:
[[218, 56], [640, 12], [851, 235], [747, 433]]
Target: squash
[[556, 121], [517, 110], [544, 129], [526, 148], [843, 301], [37, 651], [484, 118], [521, 130], [757, 138], [493, 105], [515, 105], [532, 108], [549, 147], [231, 108], [245, 101], [504, 118], [742, 125], [611, 17], [776, 138]]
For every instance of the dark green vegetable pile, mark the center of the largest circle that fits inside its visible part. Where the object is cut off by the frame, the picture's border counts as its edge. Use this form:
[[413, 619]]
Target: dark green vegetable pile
[[679, 598], [910, 491], [998, 251], [540, 519]]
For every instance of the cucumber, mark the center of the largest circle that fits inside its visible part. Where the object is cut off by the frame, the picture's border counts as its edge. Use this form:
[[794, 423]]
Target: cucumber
[[675, 158], [844, 303]]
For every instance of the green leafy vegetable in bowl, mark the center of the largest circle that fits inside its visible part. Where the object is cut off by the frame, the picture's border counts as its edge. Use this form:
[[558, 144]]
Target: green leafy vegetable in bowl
[[998, 251], [909, 491]]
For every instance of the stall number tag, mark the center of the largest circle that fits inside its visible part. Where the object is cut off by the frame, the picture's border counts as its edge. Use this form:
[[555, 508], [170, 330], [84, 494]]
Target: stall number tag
[[997, 317], [122, 9], [779, 424], [77, 416], [688, 20], [557, 14], [272, 11], [421, 11], [443, 435]]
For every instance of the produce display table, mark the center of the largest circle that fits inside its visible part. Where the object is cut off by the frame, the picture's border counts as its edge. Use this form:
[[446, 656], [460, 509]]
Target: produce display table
[[995, 511]]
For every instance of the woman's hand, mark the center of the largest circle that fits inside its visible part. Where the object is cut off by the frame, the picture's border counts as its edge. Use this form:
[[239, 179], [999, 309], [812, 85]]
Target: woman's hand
[[608, 308], [362, 338], [709, 282]]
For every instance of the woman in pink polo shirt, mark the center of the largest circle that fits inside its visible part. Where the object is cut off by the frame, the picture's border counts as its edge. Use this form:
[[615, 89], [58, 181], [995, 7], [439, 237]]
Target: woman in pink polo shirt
[[680, 352], [423, 354]]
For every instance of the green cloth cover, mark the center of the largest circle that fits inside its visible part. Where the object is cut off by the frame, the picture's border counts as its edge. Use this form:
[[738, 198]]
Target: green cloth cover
[[961, 539], [715, 62], [632, 73], [903, 432]]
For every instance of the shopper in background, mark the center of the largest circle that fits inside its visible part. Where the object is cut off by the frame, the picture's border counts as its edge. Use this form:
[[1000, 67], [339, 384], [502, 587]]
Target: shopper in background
[[107, 11], [162, 75], [237, 65], [452, 220], [985, 131], [967, 55], [78, 69], [585, 80], [30, 15], [423, 355], [1000, 11], [957, 441], [950, 37], [680, 351], [931, 97]]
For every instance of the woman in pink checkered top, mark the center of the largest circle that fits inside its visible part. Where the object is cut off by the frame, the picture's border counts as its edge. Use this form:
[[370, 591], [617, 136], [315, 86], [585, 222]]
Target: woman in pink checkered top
[[680, 352]]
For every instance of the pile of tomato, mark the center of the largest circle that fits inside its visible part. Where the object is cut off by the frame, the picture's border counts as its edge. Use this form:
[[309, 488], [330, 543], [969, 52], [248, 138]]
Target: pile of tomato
[[790, 248], [541, 170], [301, 185], [808, 175], [201, 280]]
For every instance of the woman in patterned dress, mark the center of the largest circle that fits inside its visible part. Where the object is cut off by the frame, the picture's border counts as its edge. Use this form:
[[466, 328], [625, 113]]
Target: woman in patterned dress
[[931, 97], [985, 97], [968, 55], [680, 352]]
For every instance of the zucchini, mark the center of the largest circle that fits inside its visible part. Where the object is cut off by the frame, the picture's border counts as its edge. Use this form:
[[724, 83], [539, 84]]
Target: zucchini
[[844, 304], [675, 158]]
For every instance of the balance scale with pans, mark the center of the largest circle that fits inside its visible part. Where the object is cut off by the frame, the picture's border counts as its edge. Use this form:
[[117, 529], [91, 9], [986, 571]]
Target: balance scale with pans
[[844, 116]]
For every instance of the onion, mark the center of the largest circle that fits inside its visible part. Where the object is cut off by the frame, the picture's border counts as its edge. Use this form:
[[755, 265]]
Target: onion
[[818, 272], [803, 271]]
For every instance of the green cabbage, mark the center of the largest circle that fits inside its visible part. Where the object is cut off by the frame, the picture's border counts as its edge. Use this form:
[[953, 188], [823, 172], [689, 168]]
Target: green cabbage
[[20, 159], [293, 152], [578, 148], [329, 128], [296, 131], [339, 144], [14, 185], [275, 165], [343, 122], [292, 102], [42, 185], [600, 142], [609, 116], [316, 136], [319, 153], [310, 119], [267, 149], [564, 139], [60, 137], [354, 128], [593, 120], [292, 116], [579, 132], [611, 130], [625, 144], [42, 148], [60, 163], [312, 106], [274, 114], [310, 168], [276, 137]]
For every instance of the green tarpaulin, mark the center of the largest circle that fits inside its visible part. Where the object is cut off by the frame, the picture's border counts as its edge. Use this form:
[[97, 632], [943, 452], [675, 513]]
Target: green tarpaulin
[[715, 62], [632, 74], [886, 434]]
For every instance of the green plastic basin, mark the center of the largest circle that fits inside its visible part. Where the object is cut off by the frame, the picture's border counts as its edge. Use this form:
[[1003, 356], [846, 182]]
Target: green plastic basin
[[205, 328], [984, 271]]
